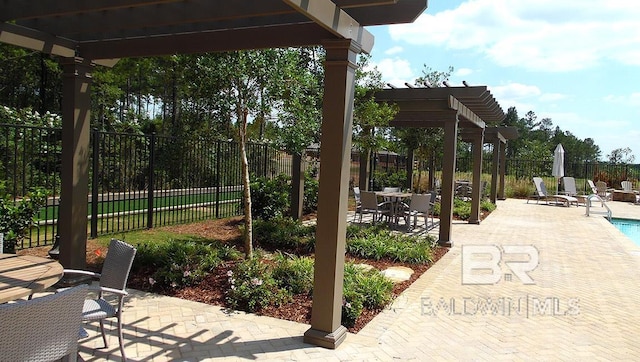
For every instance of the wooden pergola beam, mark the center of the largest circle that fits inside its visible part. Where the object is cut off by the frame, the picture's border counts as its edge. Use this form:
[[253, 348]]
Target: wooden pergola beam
[[335, 20]]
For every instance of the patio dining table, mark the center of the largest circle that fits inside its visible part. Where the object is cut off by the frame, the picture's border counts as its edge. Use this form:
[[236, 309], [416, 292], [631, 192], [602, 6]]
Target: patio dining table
[[395, 198], [21, 276]]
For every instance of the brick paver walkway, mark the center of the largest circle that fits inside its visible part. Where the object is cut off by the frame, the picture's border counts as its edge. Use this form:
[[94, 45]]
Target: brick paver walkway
[[581, 305]]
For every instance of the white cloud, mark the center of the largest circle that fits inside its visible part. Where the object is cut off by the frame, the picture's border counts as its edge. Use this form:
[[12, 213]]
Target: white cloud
[[394, 50], [631, 100], [462, 72], [540, 35], [395, 71], [516, 91], [552, 97]]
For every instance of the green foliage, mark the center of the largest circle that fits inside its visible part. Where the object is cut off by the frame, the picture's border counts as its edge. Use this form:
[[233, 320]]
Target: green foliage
[[394, 179], [375, 243], [294, 273], [311, 188], [486, 205], [17, 217], [520, 188], [252, 286], [179, 263], [284, 233], [363, 289], [462, 208], [351, 308], [270, 197], [361, 231]]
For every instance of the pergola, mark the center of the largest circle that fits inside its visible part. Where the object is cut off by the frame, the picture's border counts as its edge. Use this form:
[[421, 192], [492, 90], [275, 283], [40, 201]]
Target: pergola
[[498, 137], [85, 33], [461, 111]]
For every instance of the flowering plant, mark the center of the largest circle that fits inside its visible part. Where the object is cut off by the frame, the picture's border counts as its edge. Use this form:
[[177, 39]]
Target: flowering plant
[[251, 286]]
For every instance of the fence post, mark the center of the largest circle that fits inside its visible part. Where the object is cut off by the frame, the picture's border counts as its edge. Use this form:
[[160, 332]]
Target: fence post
[[152, 147], [94, 183], [218, 178], [266, 159]]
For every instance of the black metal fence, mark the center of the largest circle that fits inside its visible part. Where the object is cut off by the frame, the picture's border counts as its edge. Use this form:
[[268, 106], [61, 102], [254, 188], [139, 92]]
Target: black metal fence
[[137, 181], [518, 169], [143, 181]]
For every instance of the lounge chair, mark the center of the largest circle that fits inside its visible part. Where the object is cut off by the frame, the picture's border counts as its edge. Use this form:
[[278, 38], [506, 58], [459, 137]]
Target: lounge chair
[[542, 194], [569, 184], [570, 189], [594, 189]]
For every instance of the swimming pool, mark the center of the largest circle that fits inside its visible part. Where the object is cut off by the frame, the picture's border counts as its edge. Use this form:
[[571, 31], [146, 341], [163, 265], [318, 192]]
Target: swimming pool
[[629, 227]]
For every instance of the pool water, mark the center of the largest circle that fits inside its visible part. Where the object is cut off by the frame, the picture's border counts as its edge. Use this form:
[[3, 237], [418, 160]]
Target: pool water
[[629, 227]]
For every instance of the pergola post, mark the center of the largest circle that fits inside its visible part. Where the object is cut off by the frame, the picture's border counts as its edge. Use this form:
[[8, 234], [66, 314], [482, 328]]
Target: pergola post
[[494, 169], [335, 148], [448, 171], [72, 218], [476, 191], [503, 168]]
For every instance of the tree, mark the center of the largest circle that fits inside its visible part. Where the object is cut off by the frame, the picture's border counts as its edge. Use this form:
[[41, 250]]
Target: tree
[[621, 155], [370, 118]]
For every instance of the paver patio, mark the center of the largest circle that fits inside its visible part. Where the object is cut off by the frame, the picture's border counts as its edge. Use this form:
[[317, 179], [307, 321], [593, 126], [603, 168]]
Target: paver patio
[[582, 305]]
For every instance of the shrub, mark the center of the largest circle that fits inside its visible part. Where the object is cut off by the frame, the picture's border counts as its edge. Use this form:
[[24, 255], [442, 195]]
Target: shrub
[[311, 188], [521, 188], [252, 286], [396, 179], [294, 273], [362, 289], [351, 308], [377, 243], [487, 205], [462, 208], [284, 233], [16, 218], [270, 197], [179, 263]]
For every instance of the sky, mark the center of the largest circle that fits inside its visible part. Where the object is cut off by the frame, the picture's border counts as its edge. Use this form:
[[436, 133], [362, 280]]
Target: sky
[[575, 62]]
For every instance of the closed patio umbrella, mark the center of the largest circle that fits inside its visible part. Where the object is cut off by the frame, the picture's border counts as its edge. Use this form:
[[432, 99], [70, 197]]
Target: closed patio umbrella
[[558, 164]]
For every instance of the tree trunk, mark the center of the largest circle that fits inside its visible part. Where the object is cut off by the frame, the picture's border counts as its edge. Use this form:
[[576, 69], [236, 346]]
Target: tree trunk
[[246, 195]]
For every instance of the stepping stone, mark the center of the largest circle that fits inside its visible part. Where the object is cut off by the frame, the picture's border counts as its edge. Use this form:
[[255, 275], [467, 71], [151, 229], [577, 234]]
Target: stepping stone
[[398, 274]]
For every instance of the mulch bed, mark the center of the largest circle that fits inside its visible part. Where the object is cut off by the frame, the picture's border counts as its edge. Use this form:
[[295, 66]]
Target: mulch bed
[[212, 289]]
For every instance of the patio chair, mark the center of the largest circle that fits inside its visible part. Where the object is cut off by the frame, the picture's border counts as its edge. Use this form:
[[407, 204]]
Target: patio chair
[[627, 186], [603, 191], [419, 205], [42, 329], [113, 281], [542, 194], [370, 205], [356, 195]]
